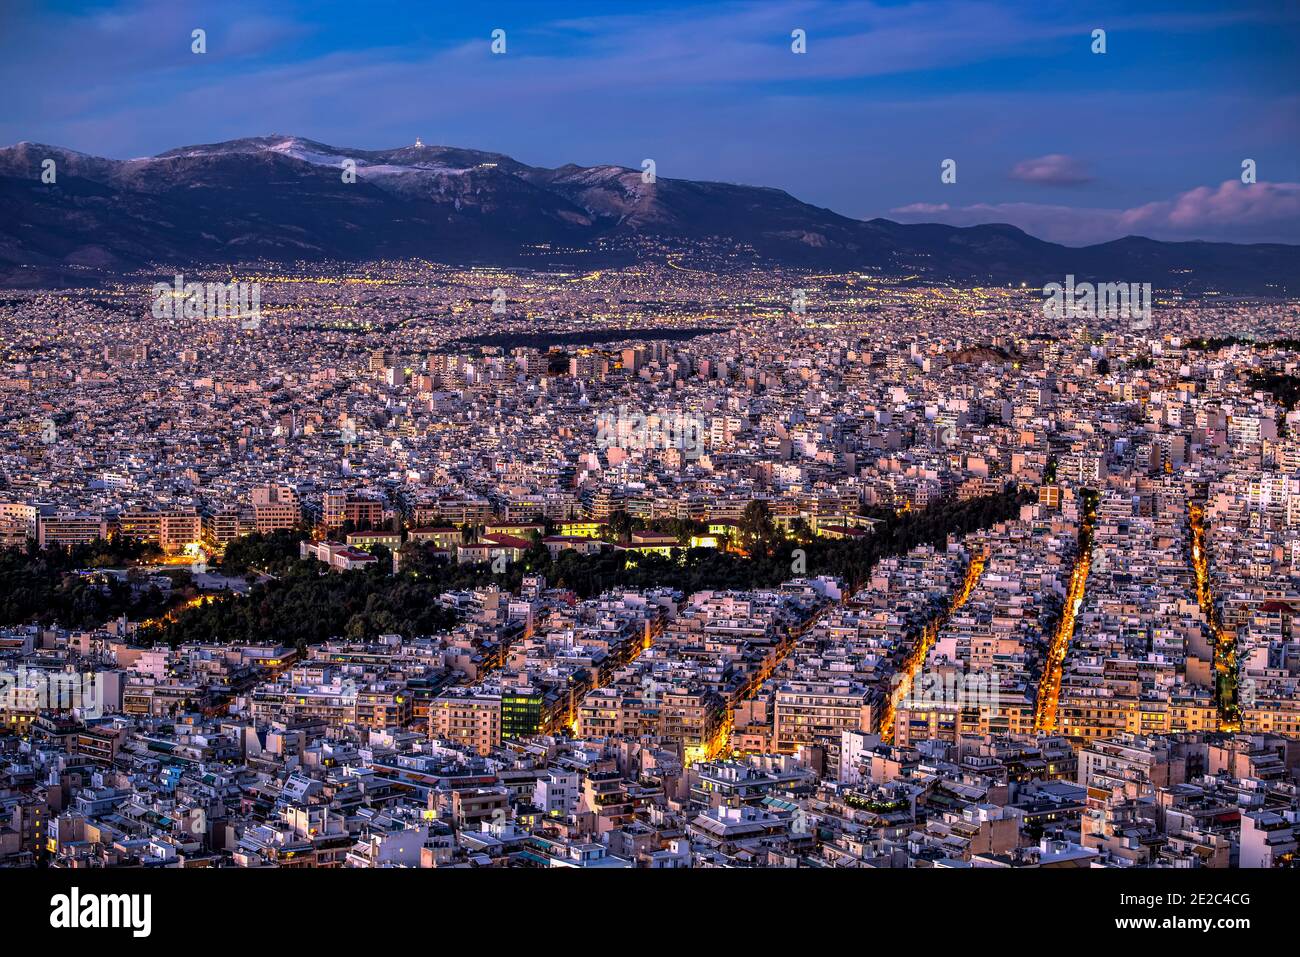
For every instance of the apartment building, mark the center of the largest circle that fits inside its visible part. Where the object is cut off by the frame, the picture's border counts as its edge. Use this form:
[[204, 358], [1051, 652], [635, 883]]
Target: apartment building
[[64, 528], [469, 719], [173, 530], [808, 712]]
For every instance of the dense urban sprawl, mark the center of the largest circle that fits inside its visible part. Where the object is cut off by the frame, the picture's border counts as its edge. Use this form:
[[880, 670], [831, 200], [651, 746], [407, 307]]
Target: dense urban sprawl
[[674, 565]]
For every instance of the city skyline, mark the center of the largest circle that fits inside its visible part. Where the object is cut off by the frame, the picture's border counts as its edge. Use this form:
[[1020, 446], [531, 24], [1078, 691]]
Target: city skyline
[[600, 437]]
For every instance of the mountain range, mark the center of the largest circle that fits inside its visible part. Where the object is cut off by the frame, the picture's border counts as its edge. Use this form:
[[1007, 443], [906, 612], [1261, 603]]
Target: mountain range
[[283, 199]]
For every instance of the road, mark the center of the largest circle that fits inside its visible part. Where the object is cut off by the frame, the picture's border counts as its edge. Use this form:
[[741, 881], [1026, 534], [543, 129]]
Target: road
[[916, 660]]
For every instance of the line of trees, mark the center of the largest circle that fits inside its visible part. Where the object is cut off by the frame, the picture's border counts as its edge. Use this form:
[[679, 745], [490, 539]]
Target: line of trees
[[772, 558], [306, 604]]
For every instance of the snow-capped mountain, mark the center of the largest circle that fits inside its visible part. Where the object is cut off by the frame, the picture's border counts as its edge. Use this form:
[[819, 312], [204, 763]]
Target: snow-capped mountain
[[287, 198]]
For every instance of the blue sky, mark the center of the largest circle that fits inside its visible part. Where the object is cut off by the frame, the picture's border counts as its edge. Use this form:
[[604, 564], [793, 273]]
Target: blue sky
[[1070, 145]]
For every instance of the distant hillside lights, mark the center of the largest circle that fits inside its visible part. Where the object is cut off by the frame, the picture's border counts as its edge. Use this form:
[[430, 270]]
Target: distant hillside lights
[[1109, 300], [210, 300]]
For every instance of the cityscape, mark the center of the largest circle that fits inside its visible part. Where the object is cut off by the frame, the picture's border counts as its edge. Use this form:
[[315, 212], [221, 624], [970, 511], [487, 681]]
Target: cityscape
[[640, 546]]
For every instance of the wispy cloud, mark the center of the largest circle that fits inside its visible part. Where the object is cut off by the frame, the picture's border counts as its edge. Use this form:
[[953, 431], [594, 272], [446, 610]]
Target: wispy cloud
[[1054, 169]]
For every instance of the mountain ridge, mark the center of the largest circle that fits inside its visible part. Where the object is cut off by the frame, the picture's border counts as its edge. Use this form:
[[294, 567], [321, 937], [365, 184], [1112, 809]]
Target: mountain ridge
[[282, 198]]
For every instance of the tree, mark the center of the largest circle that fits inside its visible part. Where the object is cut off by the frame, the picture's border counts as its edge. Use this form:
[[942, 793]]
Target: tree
[[384, 555], [756, 528], [620, 525], [801, 530]]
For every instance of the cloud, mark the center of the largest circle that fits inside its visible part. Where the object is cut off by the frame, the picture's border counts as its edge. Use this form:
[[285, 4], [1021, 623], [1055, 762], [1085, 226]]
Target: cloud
[[1233, 203], [1054, 169], [1232, 211]]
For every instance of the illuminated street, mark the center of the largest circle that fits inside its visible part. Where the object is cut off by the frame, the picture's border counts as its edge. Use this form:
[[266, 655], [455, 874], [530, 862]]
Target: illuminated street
[[907, 673], [1049, 687], [1225, 642]]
